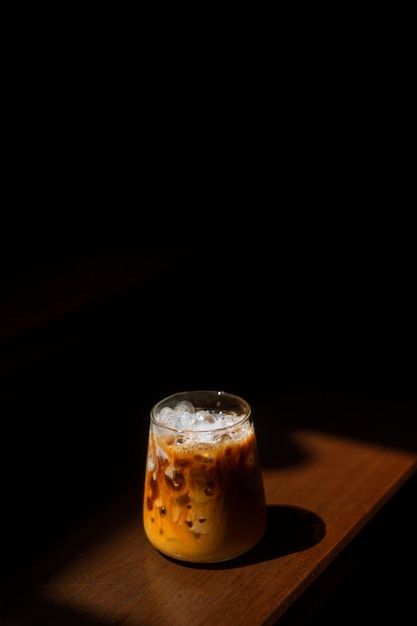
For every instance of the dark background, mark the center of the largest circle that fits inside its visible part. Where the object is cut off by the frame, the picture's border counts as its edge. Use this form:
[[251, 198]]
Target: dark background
[[277, 188]]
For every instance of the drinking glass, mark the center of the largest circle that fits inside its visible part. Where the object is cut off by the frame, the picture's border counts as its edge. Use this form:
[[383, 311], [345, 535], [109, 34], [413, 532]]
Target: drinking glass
[[204, 498]]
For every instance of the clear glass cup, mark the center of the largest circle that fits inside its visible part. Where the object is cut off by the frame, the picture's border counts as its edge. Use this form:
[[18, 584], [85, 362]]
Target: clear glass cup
[[204, 498]]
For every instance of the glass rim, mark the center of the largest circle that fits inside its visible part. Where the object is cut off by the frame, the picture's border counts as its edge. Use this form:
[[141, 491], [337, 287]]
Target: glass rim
[[171, 400]]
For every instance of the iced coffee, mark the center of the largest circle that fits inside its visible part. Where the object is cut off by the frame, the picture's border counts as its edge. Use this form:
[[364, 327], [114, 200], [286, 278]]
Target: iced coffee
[[204, 498]]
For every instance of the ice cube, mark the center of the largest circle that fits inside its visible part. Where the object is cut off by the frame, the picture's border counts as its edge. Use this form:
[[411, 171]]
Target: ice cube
[[184, 406]]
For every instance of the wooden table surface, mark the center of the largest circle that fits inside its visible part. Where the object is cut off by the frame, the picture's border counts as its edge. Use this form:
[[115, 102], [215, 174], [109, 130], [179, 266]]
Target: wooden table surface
[[332, 458], [331, 461]]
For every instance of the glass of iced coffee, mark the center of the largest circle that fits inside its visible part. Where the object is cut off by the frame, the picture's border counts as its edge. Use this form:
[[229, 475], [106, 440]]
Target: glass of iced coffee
[[204, 498]]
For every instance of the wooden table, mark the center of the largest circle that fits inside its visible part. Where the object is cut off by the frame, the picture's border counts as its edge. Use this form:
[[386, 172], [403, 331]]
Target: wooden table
[[333, 458], [332, 461]]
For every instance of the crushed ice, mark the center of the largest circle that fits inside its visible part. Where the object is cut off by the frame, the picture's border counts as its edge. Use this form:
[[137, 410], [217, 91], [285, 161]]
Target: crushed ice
[[184, 416]]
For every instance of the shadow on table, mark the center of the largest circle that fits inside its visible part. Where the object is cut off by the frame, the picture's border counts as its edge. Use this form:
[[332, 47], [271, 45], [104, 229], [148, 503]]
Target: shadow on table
[[289, 529]]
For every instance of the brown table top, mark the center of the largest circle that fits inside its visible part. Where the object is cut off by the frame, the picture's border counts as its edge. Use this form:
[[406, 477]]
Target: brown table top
[[331, 461]]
